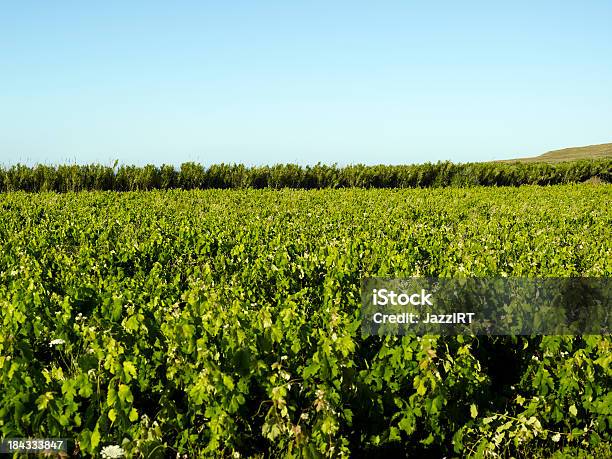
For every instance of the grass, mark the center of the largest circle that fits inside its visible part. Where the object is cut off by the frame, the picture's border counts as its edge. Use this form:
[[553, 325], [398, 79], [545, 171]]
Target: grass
[[570, 154]]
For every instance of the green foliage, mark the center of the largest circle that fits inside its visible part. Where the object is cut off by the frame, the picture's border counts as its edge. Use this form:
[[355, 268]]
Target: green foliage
[[226, 323], [222, 176]]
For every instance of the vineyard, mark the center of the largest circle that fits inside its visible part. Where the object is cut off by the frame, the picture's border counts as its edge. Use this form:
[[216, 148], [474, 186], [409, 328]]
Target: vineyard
[[225, 323]]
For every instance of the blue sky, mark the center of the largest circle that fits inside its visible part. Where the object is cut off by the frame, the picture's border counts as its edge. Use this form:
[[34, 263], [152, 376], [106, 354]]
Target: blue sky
[[262, 82]]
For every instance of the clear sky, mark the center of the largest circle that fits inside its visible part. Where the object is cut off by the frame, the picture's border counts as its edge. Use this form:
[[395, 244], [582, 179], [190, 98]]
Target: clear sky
[[261, 82]]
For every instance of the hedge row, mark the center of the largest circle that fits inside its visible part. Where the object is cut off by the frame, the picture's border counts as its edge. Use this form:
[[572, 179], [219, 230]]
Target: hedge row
[[195, 176]]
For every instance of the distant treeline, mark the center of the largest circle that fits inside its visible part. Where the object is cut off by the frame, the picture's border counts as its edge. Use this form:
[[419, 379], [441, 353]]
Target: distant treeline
[[190, 175]]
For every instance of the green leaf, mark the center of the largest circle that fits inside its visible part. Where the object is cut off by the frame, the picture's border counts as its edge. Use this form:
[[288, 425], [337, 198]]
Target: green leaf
[[229, 383], [130, 370], [421, 388], [43, 401], [407, 424], [95, 438], [125, 394], [310, 370], [394, 434], [429, 440]]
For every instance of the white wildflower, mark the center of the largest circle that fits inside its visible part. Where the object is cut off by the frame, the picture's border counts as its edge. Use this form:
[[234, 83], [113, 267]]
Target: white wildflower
[[56, 342], [112, 451]]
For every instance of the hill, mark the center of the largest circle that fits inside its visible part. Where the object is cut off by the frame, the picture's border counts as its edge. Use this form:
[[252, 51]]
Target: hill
[[570, 154]]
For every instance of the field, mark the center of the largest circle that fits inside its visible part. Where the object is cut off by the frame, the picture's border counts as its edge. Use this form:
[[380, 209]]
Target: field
[[600, 151], [225, 323]]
